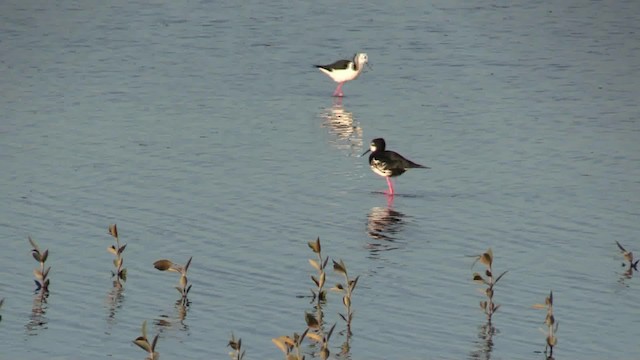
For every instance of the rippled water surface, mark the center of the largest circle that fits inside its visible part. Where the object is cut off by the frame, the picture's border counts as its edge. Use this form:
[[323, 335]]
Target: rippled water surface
[[202, 130]]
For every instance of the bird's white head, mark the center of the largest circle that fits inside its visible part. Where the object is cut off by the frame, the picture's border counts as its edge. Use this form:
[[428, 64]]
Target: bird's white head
[[361, 59]]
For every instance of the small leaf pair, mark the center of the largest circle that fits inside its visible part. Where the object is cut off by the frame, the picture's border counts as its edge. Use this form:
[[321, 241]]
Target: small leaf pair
[[41, 274], [236, 345], [290, 346], [143, 342], [485, 258], [628, 257], [185, 287], [323, 340]]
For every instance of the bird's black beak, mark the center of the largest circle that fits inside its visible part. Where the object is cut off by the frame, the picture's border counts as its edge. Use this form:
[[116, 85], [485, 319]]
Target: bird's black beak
[[364, 153]]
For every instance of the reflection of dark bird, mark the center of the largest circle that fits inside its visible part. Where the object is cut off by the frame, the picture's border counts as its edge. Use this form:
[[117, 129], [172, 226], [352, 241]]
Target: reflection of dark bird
[[388, 163], [384, 223], [342, 71]]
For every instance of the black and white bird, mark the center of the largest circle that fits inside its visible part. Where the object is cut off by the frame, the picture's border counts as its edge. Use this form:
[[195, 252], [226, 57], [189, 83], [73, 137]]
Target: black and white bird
[[388, 163], [342, 71]]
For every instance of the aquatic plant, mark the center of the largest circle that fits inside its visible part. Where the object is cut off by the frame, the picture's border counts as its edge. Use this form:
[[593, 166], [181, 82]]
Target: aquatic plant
[[42, 279], [38, 311], [236, 345], [143, 342], [290, 345], [117, 250], [551, 323], [489, 306], [185, 287], [319, 337], [319, 293], [347, 289], [628, 257]]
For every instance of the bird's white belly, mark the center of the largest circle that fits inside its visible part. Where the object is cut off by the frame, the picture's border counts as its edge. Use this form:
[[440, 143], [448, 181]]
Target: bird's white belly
[[379, 168], [341, 75]]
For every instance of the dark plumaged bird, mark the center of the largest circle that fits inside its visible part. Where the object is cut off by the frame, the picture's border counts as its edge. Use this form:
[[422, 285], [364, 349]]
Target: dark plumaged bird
[[388, 163]]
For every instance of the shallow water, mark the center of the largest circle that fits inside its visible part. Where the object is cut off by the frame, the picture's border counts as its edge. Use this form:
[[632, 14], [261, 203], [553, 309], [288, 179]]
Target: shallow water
[[202, 130]]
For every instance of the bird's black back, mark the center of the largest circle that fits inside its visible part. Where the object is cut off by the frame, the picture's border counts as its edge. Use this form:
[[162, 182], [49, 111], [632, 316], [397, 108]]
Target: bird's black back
[[393, 162], [338, 65]]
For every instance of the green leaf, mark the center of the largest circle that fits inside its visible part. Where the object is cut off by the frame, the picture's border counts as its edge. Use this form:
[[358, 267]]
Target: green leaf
[[163, 264], [311, 321], [353, 283], [500, 276], [549, 320], [281, 343], [330, 332], [339, 267], [113, 230], [315, 245], [143, 343], [123, 274], [34, 245], [144, 330], [121, 250], [489, 293], [304, 334], [478, 278], [487, 258], [154, 343], [315, 264]]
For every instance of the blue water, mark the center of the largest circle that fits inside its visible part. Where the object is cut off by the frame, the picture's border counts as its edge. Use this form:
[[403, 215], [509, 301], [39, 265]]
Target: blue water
[[202, 130]]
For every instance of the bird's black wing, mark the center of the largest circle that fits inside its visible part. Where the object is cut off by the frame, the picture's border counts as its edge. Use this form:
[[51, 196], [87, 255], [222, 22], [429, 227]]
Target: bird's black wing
[[398, 161], [338, 65]]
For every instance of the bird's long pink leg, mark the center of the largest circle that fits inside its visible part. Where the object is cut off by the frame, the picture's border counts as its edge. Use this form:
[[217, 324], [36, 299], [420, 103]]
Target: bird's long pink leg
[[338, 91], [390, 184]]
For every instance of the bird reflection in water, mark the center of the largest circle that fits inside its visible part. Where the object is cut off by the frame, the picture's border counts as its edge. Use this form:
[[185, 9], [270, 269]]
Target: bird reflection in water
[[384, 223], [346, 132]]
